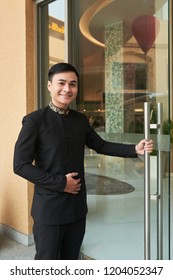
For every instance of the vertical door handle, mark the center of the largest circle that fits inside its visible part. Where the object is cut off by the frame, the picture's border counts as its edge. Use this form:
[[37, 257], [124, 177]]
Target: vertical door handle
[[159, 194], [147, 184], [160, 186]]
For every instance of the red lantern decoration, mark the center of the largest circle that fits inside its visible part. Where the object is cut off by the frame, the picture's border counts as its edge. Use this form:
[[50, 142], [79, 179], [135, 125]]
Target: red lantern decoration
[[145, 30]]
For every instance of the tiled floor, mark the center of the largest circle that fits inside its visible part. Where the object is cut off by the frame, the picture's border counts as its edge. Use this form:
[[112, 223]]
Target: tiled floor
[[114, 222]]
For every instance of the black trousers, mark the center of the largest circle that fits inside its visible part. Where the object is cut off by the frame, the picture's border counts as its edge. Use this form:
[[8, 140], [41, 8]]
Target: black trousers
[[58, 242]]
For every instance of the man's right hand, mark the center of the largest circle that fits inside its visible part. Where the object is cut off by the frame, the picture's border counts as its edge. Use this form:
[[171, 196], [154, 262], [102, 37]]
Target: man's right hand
[[73, 185]]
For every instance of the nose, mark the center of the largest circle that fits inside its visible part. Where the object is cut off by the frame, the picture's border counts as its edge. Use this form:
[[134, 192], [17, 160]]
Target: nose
[[66, 87]]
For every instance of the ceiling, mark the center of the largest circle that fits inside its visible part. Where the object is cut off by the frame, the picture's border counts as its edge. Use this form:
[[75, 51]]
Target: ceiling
[[95, 15]]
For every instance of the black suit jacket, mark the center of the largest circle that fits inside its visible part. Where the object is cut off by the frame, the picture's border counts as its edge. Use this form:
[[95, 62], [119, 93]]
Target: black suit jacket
[[48, 147]]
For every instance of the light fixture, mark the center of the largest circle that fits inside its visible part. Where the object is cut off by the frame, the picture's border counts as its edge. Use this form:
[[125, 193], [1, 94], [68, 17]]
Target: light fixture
[[87, 18]]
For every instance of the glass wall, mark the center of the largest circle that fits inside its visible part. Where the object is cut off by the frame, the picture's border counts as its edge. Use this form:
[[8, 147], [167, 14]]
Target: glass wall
[[122, 55]]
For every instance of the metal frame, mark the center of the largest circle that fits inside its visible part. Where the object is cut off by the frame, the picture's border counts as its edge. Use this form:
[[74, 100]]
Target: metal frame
[[43, 1]]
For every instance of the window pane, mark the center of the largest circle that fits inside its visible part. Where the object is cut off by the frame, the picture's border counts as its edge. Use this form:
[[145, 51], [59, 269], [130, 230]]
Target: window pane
[[56, 32]]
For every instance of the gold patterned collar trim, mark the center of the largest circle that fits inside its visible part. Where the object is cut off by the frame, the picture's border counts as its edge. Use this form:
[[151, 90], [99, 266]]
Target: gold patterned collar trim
[[58, 110]]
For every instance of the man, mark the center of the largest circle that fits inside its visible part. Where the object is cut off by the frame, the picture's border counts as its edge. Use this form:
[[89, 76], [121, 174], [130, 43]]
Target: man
[[54, 139]]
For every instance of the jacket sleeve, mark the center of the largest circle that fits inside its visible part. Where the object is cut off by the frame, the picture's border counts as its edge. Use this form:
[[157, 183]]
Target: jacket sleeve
[[95, 142], [24, 156]]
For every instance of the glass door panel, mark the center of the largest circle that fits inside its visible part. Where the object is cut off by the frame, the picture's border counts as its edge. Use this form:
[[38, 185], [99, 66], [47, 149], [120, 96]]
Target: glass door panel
[[122, 55]]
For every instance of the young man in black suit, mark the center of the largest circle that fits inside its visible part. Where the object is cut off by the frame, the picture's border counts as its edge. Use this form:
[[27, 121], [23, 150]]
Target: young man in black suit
[[49, 152]]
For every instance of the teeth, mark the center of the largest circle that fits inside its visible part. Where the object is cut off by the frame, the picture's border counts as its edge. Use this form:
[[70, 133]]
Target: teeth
[[68, 95]]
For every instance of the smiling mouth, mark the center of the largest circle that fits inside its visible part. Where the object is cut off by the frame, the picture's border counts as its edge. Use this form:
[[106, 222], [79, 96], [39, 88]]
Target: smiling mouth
[[66, 95]]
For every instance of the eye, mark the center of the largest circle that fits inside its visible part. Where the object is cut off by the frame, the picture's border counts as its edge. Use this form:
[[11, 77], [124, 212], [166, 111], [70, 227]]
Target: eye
[[73, 85], [61, 83]]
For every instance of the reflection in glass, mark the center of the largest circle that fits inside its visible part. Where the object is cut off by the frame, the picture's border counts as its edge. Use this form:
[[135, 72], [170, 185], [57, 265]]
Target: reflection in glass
[[118, 73], [122, 72]]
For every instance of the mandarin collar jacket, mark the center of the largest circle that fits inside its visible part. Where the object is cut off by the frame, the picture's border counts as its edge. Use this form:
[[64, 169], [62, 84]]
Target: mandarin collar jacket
[[48, 147]]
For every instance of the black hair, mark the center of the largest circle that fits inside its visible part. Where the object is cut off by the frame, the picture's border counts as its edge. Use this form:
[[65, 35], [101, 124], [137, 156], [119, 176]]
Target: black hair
[[61, 67]]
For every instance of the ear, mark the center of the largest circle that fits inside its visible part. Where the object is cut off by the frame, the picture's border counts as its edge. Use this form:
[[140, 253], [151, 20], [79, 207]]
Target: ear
[[49, 85]]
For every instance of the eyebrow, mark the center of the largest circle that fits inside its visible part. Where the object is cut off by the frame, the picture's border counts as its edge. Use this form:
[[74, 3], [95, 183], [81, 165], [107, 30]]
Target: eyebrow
[[63, 80]]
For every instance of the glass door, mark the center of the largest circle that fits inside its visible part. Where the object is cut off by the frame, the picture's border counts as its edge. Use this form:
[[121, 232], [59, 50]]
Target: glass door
[[122, 55], [123, 58]]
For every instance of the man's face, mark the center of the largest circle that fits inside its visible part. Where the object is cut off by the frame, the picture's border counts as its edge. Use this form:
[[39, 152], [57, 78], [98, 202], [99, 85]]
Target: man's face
[[63, 89]]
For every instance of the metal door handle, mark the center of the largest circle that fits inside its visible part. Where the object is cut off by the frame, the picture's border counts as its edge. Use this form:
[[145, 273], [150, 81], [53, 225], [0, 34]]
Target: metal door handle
[[159, 195], [147, 184]]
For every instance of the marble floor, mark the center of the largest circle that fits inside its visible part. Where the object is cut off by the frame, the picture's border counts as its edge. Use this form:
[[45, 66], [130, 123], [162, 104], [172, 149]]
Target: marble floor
[[115, 223]]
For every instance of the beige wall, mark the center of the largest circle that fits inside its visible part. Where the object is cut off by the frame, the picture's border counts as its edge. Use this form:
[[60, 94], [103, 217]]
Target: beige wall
[[16, 91]]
